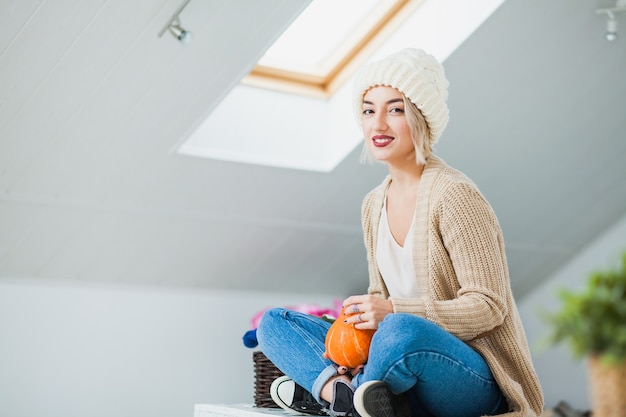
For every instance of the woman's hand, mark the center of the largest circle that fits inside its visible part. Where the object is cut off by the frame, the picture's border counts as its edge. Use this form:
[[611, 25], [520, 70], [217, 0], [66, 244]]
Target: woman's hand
[[366, 311], [350, 372]]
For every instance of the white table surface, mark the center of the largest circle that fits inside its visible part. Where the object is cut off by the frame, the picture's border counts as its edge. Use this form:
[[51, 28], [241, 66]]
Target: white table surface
[[238, 410]]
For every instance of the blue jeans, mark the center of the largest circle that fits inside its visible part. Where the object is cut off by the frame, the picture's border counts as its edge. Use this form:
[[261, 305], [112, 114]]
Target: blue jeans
[[442, 376]]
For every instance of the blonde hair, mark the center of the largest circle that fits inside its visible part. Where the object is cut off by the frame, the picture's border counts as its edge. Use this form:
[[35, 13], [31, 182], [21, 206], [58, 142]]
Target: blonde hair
[[419, 134], [419, 131]]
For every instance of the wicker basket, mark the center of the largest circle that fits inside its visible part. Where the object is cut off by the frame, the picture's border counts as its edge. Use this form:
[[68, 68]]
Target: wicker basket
[[265, 372]]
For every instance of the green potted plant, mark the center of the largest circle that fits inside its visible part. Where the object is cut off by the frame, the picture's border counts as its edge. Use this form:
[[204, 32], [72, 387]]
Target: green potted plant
[[593, 323]]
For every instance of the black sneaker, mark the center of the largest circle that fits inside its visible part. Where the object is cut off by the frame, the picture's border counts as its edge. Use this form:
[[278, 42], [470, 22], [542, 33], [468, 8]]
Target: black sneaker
[[292, 397], [375, 399], [342, 404]]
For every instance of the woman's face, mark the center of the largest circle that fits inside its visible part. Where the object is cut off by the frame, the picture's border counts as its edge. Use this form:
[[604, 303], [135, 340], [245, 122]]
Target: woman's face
[[385, 129]]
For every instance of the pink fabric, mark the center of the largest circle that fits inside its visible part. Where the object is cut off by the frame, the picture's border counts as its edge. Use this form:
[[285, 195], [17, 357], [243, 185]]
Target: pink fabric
[[311, 309]]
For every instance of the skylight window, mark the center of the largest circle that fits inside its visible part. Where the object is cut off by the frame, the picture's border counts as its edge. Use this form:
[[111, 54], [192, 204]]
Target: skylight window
[[332, 22], [314, 54]]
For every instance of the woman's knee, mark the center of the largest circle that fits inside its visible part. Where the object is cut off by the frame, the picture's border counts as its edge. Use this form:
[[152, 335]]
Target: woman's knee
[[403, 323], [269, 320], [400, 329]]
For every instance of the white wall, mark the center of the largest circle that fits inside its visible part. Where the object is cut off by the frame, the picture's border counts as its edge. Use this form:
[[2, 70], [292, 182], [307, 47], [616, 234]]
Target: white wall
[[562, 376], [71, 350]]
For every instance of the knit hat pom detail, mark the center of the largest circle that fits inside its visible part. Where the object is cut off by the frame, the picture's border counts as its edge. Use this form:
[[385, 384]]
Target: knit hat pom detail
[[416, 74]]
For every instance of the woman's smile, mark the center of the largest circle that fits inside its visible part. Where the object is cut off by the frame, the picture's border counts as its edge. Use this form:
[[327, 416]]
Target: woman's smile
[[380, 141]]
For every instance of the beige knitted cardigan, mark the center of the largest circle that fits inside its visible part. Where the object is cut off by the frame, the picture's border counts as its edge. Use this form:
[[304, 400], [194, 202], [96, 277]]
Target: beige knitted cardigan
[[462, 276]]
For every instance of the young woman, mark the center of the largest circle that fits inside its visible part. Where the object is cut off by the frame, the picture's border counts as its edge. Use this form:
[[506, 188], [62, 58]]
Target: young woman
[[449, 339]]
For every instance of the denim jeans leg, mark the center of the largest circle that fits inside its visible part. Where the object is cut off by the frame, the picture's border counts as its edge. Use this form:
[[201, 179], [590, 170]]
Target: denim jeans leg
[[444, 376], [294, 342]]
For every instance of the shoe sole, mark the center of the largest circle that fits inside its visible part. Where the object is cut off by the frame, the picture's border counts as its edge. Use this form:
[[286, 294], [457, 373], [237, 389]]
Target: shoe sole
[[274, 393], [374, 399]]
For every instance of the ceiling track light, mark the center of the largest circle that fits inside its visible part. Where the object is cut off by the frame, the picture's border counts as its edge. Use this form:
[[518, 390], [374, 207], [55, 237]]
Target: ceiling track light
[[611, 22], [174, 27]]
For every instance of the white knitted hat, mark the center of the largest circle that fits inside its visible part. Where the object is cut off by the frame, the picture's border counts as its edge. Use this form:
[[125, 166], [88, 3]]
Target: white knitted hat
[[416, 74]]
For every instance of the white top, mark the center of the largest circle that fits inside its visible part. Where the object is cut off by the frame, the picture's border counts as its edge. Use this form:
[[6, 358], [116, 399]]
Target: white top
[[395, 262]]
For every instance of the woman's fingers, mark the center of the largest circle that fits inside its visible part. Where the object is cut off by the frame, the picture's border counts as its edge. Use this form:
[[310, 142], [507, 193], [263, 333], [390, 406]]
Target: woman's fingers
[[344, 370], [357, 370]]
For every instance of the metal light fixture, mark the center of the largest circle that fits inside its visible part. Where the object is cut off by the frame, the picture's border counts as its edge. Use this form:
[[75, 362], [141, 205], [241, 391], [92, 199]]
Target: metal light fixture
[[174, 27], [611, 22]]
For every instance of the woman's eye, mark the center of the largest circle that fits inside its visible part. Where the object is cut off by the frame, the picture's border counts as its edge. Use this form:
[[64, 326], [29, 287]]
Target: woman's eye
[[367, 111], [397, 110]]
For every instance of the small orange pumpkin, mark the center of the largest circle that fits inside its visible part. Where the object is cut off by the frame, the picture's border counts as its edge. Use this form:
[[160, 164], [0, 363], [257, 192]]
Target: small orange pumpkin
[[347, 346]]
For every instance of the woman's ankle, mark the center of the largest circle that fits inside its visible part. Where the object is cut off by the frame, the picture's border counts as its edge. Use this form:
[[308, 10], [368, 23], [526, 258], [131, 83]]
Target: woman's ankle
[[327, 390]]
